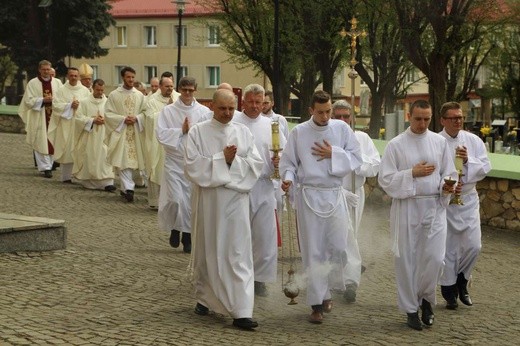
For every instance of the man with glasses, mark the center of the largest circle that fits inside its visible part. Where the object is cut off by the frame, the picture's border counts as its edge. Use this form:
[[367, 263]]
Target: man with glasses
[[173, 125], [341, 110], [463, 242]]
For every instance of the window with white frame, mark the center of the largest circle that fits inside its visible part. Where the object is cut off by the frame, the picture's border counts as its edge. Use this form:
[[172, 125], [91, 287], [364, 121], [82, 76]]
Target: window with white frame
[[184, 71], [95, 72], [150, 72], [118, 78], [184, 36], [213, 74], [411, 76], [150, 33], [214, 35], [121, 36]]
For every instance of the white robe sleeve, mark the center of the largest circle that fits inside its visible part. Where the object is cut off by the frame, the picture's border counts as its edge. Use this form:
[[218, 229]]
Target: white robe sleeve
[[478, 164], [371, 159], [396, 183], [213, 171], [167, 135], [347, 159]]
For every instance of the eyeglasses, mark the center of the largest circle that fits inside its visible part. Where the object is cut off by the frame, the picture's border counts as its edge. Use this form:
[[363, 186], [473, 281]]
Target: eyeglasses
[[187, 90], [454, 119]]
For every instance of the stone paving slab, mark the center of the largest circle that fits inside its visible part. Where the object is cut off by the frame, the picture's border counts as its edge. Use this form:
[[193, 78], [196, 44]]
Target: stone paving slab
[[120, 283]]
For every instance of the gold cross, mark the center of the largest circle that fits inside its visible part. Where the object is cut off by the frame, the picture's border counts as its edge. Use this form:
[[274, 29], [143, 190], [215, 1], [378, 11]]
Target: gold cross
[[354, 33]]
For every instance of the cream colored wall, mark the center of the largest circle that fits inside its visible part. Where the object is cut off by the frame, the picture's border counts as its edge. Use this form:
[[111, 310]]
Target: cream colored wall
[[196, 56]]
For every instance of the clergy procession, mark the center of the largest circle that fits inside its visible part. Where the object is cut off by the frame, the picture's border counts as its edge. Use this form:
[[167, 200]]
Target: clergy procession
[[224, 182]]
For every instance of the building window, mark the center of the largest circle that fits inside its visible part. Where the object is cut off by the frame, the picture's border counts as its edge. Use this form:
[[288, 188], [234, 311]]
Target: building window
[[118, 78], [150, 33], [95, 72], [184, 71], [213, 76], [214, 35], [150, 72], [411, 77], [121, 36], [184, 36]]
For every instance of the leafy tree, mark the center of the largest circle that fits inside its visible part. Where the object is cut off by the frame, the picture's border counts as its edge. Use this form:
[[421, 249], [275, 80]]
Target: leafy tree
[[58, 29], [382, 62], [7, 71], [436, 35]]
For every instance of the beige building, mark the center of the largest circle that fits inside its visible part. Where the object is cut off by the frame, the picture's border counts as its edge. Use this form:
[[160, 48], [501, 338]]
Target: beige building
[[145, 38]]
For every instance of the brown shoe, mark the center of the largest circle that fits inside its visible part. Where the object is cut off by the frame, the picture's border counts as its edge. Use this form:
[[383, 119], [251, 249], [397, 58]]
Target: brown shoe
[[316, 317], [327, 305]]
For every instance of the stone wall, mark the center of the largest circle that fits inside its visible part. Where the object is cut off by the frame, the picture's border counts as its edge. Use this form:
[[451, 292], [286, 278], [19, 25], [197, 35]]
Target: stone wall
[[499, 201], [11, 123]]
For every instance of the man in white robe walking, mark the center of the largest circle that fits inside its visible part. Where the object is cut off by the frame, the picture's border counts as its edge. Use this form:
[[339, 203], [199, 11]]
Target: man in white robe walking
[[341, 110], [223, 164], [154, 160], [35, 110], [172, 129], [91, 169], [463, 242], [413, 168], [319, 154], [61, 126], [125, 120], [262, 202]]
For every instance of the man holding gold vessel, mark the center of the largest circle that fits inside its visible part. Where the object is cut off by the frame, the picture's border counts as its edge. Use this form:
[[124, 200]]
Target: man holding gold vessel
[[463, 242]]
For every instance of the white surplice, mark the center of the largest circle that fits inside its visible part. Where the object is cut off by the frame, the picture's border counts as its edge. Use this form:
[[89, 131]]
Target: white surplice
[[418, 213], [154, 152], [125, 146], [369, 168], [221, 237], [262, 202], [463, 242], [320, 199], [32, 113], [91, 168], [175, 194], [61, 126]]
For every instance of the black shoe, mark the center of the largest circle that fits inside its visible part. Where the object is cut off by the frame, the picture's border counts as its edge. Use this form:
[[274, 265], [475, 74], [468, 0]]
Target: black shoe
[[261, 289], [350, 293], [427, 316], [450, 293], [186, 242], [128, 195], [175, 238], [55, 165], [47, 173], [245, 323], [413, 321], [68, 181], [110, 188], [201, 309], [462, 286]]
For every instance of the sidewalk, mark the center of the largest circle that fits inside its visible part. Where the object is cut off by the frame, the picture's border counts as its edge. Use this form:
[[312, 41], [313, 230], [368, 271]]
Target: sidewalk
[[120, 283]]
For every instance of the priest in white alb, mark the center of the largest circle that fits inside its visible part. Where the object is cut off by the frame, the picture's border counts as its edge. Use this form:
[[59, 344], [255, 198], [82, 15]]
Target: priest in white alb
[[61, 126], [91, 168], [223, 164], [319, 154], [35, 111], [172, 129], [125, 120], [413, 168], [154, 157]]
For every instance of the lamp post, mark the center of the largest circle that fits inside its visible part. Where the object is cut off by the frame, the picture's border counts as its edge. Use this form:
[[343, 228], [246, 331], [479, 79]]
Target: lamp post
[[180, 9]]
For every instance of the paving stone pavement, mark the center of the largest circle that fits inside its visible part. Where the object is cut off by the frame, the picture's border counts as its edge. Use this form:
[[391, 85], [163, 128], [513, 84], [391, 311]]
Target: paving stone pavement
[[120, 283]]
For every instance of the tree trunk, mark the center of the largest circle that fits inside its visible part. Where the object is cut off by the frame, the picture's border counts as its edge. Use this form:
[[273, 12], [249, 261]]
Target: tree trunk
[[375, 115]]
